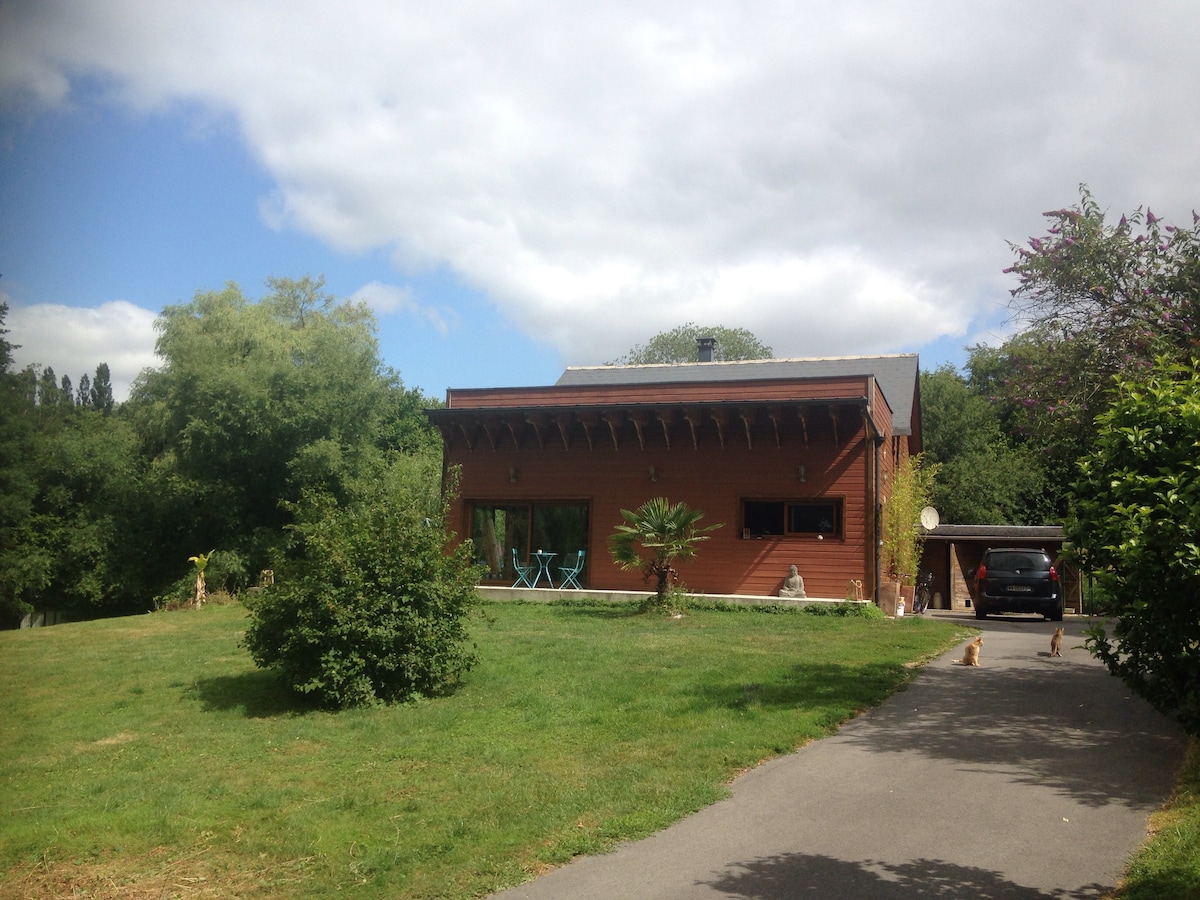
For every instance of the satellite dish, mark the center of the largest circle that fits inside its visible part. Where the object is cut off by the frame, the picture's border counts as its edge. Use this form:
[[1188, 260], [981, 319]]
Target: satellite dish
[[930, 518]]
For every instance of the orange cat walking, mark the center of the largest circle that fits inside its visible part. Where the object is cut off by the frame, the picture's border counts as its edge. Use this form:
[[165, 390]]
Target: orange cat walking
[[1056, 642]]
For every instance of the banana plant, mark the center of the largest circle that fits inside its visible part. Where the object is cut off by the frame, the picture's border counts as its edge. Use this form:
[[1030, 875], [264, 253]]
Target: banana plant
[[200, 562]]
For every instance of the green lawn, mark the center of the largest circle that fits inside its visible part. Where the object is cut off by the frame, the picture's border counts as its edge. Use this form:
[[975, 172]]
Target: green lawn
[[147, 757]]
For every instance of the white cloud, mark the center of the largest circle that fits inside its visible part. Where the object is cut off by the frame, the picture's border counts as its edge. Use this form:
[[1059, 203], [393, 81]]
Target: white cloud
[[384, 299], [75, 340], [839, 178]]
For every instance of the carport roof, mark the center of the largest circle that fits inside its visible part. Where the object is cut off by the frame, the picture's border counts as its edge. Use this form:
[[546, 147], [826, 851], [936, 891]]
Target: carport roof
[[1010, 533]]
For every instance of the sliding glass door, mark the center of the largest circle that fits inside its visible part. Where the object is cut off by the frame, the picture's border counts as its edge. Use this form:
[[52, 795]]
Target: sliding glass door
[[497, 530]]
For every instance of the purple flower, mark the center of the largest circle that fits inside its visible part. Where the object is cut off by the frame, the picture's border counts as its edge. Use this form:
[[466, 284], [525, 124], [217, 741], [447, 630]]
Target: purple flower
[[1151, 218]]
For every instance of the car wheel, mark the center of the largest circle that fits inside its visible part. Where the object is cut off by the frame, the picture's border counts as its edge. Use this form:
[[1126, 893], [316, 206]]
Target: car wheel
[[979, 612], [1056, 616]]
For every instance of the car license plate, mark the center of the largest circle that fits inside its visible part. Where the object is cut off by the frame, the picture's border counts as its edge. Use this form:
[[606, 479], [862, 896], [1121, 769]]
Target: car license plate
[[1019, 589]]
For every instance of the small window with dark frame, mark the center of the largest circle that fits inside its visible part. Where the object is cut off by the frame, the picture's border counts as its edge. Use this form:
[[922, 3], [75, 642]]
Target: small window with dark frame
[[799, 518]]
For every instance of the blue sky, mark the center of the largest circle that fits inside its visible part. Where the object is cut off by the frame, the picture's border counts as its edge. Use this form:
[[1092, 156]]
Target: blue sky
[[515, 188], [103, 204]]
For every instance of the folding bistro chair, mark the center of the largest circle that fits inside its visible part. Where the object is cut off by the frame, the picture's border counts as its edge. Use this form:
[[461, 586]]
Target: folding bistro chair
[[524, 573], [570, 572]]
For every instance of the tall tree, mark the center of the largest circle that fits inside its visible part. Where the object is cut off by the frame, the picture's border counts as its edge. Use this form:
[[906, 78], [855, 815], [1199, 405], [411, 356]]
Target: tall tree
[[983, 476], [1095, 299], [16, 483], [100, 394], [49, 394], [1129, 291], [6, 346], [65, 537], [1099, 300], [679, 346], [255, 406]]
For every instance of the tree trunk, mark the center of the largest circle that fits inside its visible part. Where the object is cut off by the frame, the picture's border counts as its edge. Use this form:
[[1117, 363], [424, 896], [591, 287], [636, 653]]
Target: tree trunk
[[198, 594]]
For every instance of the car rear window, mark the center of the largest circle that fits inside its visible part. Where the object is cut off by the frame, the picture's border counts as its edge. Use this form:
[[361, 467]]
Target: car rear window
[[1015, 561]]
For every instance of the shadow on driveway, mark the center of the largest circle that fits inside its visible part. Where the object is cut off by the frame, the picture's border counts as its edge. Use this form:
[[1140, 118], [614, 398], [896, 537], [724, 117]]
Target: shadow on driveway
[[794, 875]]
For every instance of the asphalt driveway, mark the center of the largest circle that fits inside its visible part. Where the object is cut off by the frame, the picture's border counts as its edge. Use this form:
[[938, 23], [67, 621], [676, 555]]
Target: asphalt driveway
[[1030, 776]]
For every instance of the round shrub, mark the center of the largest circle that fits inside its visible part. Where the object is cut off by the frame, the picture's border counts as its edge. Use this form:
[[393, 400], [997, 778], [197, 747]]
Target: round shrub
[[375, 610]]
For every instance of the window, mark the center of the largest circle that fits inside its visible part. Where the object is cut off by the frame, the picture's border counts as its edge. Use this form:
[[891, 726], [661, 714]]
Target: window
[[786, 518], [497, 530]]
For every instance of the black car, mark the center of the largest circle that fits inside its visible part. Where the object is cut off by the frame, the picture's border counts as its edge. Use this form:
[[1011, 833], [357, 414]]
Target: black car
[[1017, 579]]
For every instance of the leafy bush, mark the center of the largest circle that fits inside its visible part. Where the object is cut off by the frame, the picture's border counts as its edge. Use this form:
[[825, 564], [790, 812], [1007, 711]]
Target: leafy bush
[[845, 610], [841, 610], [374, 611], [1136, 528]]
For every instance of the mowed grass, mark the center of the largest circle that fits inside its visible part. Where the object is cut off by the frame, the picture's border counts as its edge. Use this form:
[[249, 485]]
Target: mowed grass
[[147, 757]]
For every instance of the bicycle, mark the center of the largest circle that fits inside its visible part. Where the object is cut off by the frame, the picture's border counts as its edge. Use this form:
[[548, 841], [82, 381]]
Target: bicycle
[[923, 594]]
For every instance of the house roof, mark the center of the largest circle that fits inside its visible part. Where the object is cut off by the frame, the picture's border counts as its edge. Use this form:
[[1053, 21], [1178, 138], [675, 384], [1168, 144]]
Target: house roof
[[895, 374]]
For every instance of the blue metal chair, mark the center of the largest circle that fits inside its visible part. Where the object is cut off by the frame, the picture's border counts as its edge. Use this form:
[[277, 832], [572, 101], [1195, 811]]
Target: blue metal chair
[[524, 573], [570, 572]]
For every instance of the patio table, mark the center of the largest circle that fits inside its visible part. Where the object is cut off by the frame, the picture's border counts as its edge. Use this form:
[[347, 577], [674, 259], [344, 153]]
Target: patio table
[[543, 559]]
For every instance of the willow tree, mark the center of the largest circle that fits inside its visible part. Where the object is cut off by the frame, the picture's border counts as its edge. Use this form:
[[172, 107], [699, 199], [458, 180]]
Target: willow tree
[[256, 407]]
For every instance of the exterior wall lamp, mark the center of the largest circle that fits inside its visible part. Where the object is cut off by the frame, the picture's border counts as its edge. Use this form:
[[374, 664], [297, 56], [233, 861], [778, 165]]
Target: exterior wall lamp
[[512, 475], [653, 474], [802, 471]]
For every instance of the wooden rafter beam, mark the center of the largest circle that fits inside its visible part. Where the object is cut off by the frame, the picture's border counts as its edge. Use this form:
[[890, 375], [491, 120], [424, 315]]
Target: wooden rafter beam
[[776, 413], [666, 417], [747, 416], [563, 420], [513, 425], [694, 417], [487, 431], [466, 433], [589, 422], [614, 421], [539, 423], [639, 420], [721, 417]]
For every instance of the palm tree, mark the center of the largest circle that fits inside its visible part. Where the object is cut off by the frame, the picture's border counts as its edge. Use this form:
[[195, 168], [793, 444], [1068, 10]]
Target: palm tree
[[665, 533]]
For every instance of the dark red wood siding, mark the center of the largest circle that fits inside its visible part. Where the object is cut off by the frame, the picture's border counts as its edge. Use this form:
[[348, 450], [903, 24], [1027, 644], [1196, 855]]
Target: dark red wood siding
[[712, 468]]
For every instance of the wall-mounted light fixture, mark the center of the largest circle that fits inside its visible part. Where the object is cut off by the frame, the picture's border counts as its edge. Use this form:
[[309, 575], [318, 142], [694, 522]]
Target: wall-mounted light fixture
[[653, 474], [802, 471], [512, 475]]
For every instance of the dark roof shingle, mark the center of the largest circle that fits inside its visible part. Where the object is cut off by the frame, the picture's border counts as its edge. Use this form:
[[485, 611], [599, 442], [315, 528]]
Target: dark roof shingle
[[896, 375]]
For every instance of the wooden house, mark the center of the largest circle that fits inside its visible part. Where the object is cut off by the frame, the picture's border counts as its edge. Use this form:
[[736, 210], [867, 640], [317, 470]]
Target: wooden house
[[792, 456]]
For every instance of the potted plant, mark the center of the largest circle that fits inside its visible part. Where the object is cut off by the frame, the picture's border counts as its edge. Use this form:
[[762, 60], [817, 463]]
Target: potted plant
[[903, 537]]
